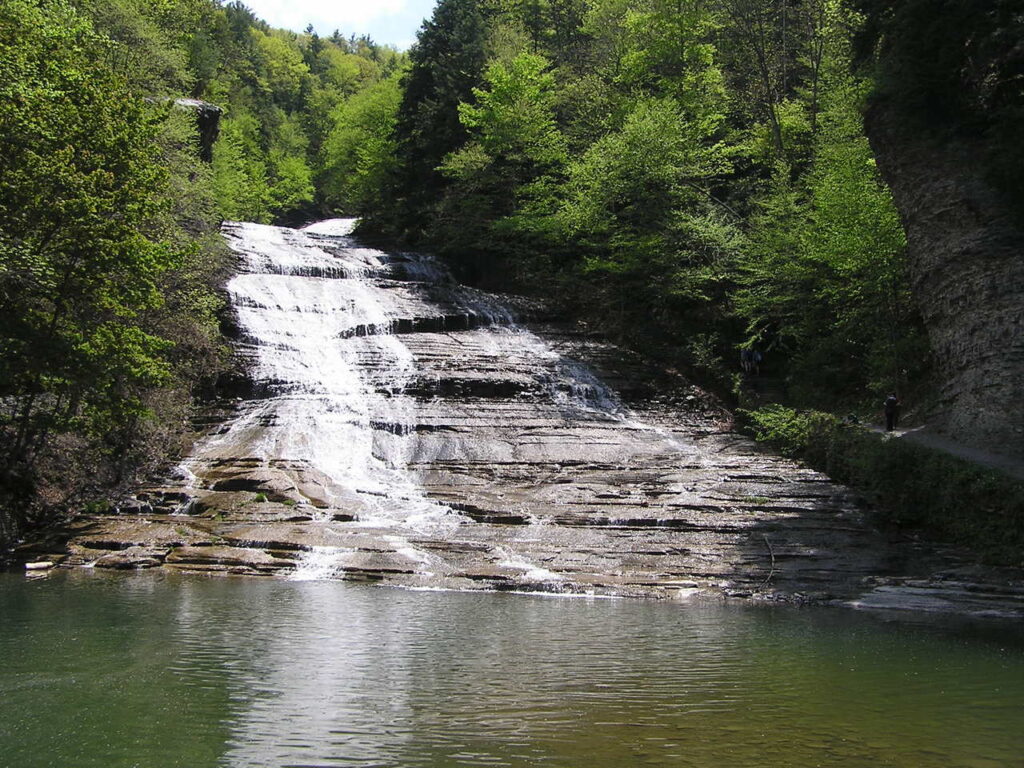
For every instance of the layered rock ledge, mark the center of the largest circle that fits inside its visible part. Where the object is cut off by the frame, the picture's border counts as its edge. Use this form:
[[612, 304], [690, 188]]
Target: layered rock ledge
[[455, 443]]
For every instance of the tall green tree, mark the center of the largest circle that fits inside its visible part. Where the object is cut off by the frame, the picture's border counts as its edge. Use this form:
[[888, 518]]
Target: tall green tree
[[445, 65], [514, 156], [80, 181], [359, 152], [823, 280]]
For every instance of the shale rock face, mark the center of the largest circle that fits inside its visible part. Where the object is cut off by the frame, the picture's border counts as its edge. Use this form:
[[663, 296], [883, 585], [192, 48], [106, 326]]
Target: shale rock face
[[403, 429], [967, 271], [207, 124]]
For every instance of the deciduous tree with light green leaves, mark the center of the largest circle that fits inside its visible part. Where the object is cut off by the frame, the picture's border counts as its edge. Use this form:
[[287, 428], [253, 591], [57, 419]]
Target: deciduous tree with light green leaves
[[823, 278], [514, 156], [80, 180], [360, 150]]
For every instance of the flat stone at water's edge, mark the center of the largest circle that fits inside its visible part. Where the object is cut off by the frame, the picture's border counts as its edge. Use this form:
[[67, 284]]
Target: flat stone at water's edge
[[406, 430]]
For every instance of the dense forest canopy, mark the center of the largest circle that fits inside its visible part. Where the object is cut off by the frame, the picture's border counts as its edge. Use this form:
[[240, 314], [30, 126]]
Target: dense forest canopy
[[690, 176], [110, 256], [694, 174]]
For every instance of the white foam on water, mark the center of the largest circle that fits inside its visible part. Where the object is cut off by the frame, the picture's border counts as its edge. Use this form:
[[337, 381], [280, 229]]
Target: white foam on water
[[315, 313], [319, 563], [334, 227], [311, 313], [531, 572]]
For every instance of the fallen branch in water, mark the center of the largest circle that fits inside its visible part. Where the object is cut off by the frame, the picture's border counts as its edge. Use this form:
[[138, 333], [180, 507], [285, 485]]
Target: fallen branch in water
[[771, 552]]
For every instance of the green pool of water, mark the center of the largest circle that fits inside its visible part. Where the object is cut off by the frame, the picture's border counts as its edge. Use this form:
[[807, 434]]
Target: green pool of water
[[157, 670]]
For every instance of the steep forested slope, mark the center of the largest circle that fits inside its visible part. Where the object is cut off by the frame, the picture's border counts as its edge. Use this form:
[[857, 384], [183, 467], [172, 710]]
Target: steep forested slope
[[693, 176], [110, 255]]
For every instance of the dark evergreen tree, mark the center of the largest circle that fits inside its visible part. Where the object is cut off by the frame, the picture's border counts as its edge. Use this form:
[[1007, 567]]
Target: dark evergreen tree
[[447, 62]]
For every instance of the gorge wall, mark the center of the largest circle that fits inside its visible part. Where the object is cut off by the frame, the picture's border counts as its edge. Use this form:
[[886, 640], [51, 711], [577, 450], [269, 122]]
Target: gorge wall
[[966, 261], [944, 123]]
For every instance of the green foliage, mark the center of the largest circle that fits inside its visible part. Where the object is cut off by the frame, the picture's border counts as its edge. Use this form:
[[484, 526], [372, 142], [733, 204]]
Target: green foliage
[[76, 145], [240, 174], [88, 261], [823, 281], [151, 55], [667, 49], [513, 117], [280, 93], [694, 174], [636, 209], [913, 485], [631, 183], [446, 63], [281, 69], [515, 147], [359, 152]]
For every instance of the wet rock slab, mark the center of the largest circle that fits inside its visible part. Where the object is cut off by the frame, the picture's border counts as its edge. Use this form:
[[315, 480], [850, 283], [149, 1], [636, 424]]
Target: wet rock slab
[[404, 430]]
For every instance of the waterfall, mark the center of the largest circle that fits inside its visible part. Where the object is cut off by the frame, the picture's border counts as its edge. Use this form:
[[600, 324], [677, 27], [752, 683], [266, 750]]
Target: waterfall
[[397, 427], [299, 296], [321, 322]]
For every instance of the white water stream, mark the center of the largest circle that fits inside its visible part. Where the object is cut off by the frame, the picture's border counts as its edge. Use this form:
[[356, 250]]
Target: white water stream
[[317, 315]]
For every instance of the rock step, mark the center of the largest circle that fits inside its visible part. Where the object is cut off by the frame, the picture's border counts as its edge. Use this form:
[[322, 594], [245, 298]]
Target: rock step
[[452, 322]]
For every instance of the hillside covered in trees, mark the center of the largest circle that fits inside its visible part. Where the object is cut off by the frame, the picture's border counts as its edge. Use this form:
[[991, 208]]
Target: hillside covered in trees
[[110, 253], [691, 178], [697, 178], [696, 175]]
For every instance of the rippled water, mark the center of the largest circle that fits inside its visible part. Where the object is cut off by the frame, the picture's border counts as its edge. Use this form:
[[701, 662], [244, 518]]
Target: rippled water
[[163, 670]]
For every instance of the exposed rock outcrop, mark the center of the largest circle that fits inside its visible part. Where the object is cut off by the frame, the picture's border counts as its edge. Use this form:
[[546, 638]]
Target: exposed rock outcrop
[[207, 124], [449, 446], [966, 261], [944, 123]]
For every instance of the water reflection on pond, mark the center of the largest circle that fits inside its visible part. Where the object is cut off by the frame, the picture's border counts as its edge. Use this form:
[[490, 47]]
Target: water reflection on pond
[[158, 670]]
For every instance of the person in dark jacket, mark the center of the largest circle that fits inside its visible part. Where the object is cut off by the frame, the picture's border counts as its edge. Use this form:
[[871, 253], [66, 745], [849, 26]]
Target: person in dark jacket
[[891, 406], [746, 359]]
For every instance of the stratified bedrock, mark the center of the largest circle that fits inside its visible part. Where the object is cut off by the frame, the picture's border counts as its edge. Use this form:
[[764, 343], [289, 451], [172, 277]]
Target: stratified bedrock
[[400, 428]]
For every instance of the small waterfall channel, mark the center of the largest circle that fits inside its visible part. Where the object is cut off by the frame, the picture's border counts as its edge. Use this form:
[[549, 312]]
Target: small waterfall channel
[[321, 323]]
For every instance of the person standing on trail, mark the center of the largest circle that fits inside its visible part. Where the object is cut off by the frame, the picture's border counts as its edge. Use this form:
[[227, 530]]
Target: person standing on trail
[[892, 411], [750, 360], [746, 359]]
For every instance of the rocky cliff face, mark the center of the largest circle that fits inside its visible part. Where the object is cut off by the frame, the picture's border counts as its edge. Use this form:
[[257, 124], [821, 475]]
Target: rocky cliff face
[[207, 124], [966, 260]]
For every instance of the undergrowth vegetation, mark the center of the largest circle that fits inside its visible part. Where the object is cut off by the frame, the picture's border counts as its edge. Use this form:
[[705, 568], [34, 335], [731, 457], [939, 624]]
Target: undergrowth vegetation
[[913, 486]]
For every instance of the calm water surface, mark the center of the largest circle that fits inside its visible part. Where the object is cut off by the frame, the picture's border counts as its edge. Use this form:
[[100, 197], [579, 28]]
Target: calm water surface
[[160, 670]]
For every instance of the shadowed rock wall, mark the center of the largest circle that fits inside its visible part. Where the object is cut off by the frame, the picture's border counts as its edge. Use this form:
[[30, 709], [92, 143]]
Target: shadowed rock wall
[[966, 260], [945, 126], [207, 124]]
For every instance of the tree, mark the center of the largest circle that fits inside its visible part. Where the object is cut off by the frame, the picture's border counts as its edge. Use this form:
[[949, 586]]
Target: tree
[[79, 181], [514, 154], [241, 180], [446, 63], [359, 152], [823, 279]]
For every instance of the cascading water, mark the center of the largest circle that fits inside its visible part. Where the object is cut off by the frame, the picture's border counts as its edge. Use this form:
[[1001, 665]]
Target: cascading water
[[320, 320], [402, 428]]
